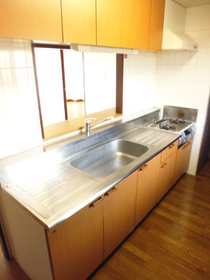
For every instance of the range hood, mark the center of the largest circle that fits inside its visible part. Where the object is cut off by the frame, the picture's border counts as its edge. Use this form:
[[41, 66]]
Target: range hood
[[178, 41], [173, 30]]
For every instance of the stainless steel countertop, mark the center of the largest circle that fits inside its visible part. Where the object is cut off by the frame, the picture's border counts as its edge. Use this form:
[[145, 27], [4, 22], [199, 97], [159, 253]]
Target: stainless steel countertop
[[52, 190]]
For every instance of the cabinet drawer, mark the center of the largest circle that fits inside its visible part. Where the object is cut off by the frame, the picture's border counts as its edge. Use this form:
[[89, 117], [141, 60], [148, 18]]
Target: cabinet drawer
[[169, 151]]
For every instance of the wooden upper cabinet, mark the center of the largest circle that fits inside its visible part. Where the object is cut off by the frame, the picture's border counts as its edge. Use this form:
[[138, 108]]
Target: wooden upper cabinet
[[31, 20], [109, 23], [136, 24], [79, 21], [156, 25]]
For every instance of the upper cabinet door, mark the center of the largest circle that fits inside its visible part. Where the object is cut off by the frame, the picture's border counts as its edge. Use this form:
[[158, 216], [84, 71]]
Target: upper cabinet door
[[136, 24], [109, 23], [31, 20], [156, 25], [79, 21]]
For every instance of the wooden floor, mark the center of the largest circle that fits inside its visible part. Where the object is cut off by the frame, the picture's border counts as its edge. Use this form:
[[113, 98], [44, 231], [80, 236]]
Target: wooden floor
[[10, 270], [75, 109], [173, 242]]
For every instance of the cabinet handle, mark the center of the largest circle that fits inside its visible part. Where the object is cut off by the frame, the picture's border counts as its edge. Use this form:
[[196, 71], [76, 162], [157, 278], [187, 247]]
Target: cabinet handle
[[95, 203], [143, 167], [110, 191], [186, 145], [164, 165], [171, 146]]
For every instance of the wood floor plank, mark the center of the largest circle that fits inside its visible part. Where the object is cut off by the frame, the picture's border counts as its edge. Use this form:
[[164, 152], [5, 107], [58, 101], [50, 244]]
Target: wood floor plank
[[177, 268]]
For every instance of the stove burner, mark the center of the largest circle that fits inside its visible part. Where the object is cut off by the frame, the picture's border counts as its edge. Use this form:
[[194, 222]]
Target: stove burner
[[176, 121], [167, 126]]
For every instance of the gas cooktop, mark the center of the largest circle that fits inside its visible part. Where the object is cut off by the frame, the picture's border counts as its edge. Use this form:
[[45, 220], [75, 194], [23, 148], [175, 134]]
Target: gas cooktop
[[172, 124], [185, 128]]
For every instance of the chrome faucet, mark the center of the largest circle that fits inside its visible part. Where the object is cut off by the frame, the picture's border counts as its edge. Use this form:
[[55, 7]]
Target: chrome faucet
[[87, 123]]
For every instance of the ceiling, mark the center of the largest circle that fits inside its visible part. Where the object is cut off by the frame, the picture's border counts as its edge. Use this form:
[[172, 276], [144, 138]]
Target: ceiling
[[192, 3]]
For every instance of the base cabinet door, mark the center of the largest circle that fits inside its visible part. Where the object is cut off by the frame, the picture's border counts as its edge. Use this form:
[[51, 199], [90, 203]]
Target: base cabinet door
[[76, 245], [182, 160], [119, 211], [146, 194], [166, 175]]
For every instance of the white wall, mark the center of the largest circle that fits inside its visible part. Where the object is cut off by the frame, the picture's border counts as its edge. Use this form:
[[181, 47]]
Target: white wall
[[100, 81], [183, 78], [19, 119], [139, 82], [50, 83]]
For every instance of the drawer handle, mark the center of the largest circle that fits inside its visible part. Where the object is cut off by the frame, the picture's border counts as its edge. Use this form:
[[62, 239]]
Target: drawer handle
[[164, 165], [186, 145], [110, 191], [142, 168], [95, 203], [171, 146]]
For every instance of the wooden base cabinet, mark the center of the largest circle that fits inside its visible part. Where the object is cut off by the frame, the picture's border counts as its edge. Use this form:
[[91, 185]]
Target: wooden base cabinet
[[119, 211], [166, 172], [146, 194], [182, 160], [76, 245]]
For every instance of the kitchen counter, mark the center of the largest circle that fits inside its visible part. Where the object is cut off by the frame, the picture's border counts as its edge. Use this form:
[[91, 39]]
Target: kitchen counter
[[52, 190]]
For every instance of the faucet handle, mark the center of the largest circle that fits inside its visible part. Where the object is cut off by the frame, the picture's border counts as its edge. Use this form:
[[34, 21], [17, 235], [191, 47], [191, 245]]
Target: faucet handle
[[89, 119], [87, 125]]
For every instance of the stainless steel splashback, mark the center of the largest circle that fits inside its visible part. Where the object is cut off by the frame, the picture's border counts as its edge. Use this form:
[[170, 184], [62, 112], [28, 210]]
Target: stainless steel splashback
[[187, 114]]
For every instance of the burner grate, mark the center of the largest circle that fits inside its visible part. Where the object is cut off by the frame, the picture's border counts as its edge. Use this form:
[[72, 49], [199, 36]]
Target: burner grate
[[167, 126], [177, 121]]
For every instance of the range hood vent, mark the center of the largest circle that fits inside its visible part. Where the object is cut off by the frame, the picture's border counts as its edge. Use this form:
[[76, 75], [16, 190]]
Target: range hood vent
[[173, 31], [178, 41]]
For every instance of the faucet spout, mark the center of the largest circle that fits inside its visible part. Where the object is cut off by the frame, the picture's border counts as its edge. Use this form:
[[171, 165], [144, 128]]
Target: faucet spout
[[104, 120], [87, 123]]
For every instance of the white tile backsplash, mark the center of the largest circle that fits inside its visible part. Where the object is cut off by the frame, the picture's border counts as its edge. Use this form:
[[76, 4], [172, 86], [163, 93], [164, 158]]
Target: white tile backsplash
[[5, 54], [189, 85], [18, 54]]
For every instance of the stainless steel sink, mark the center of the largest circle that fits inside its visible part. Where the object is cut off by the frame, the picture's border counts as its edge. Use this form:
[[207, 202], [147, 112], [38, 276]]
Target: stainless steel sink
[[109, 158]]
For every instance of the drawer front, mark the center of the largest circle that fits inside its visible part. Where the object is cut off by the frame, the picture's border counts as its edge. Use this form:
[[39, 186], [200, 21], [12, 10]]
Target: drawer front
[[169, 151]]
